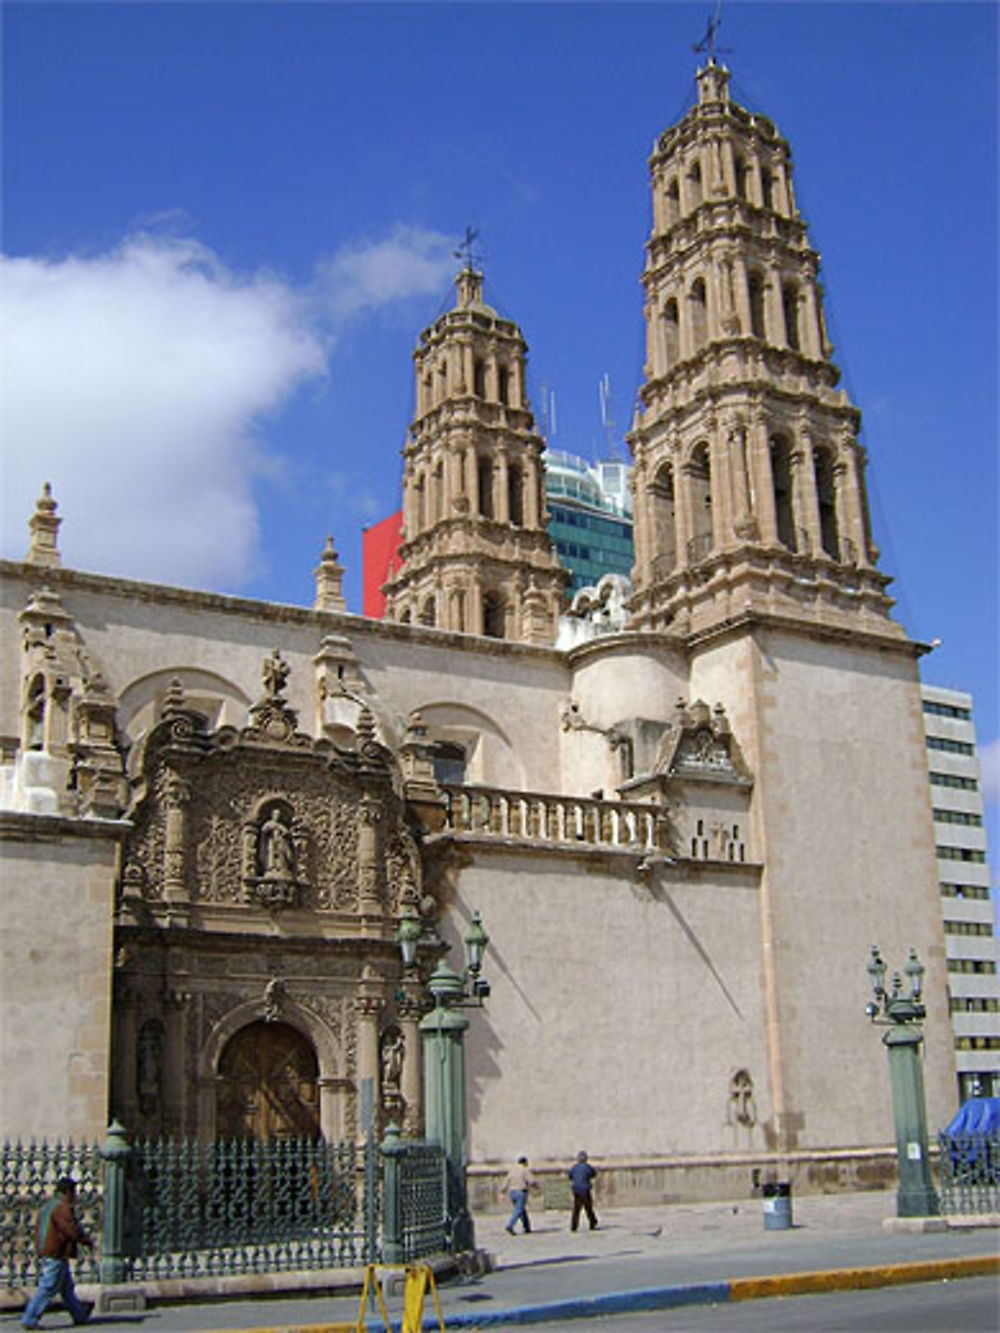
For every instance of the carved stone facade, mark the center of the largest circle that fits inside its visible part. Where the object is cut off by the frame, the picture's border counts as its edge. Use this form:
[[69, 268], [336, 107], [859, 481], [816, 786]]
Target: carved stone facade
[[475, 554], [263, 878], [681, 803]]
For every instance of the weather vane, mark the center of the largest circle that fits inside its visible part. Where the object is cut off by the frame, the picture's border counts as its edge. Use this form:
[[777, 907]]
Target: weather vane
[[465, 250], [707, 43]]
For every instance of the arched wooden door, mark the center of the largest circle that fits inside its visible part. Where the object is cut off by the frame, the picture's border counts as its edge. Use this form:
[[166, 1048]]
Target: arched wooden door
[[269, 1085]]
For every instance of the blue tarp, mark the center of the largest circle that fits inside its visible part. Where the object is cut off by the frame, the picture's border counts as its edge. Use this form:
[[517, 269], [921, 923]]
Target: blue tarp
[[979, 1115]]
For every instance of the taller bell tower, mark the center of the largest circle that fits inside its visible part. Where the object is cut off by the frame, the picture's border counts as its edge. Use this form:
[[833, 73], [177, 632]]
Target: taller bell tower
[[475, 554], [749, 477]]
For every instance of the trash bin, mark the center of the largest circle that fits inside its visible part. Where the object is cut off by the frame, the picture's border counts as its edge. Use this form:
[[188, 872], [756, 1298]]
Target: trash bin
[[778, 1206]]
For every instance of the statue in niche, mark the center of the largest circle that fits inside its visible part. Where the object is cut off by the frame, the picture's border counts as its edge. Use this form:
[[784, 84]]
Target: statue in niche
[[392, 1061], [149, 1067], [276, 851]]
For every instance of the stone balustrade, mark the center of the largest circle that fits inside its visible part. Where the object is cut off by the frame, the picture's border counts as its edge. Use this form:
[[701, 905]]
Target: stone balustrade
[[489, 812]]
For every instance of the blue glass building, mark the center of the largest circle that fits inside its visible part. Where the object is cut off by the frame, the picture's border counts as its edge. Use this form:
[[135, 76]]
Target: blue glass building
[[590, 516]]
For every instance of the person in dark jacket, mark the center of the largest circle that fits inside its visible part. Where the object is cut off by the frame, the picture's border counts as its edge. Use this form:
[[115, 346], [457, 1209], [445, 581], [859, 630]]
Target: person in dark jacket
[[581, 1176], [59, 1234]]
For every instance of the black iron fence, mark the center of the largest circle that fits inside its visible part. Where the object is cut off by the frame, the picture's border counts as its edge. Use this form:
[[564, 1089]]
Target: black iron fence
[[969, 1173], [167, 1208]]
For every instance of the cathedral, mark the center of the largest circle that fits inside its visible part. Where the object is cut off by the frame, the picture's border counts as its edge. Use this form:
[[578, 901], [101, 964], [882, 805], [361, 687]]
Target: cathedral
[[685, 807]]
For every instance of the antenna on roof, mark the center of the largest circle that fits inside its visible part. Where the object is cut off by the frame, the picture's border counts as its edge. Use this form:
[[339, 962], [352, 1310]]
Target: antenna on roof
[[607, 420], [707, 43]]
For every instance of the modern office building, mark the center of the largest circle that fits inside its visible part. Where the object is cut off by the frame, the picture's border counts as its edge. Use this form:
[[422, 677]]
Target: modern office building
[[964, 876], [590, 516]]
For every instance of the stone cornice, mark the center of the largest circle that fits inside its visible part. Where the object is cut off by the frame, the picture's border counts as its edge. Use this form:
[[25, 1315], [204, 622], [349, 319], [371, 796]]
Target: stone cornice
[[749, 621], [272, 613], [25, 826]]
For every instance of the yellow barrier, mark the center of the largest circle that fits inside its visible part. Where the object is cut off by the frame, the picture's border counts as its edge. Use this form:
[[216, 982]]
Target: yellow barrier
[[418, 1278]]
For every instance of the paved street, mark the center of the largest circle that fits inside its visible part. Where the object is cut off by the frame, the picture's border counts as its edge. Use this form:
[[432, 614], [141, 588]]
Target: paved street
[[635, 1249], [971, 1306]]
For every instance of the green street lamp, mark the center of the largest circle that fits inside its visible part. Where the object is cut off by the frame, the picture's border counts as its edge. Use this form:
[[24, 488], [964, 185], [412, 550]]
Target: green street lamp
[[443, 1035], [900, 1014]]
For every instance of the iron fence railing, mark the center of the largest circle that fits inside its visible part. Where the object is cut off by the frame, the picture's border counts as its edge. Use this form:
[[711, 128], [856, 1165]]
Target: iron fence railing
[[28, 1173], [168, 1208], [247, 1206], [423, 1184], [969, 1173]]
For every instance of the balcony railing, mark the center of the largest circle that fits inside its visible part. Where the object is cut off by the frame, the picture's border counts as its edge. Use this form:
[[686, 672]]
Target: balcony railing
[[492, 813]]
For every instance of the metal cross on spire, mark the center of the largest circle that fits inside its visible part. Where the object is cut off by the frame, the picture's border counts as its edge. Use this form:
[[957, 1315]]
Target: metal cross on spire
[[471, 258], [707, 43]]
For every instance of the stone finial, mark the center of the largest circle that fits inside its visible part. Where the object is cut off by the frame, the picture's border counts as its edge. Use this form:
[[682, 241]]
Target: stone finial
[[329, 581], [173, 700], [469, 285], [713, 83], [44, 524]]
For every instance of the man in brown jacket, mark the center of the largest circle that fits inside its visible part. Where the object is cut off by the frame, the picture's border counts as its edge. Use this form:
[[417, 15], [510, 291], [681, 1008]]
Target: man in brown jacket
[[59, 1234]]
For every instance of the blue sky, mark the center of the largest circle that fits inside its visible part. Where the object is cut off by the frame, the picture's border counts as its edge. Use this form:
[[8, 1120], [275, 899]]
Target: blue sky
[[225, 224]]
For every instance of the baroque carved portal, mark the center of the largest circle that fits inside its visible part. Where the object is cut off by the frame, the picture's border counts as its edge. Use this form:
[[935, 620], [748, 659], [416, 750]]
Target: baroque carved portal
[[269, 1084]]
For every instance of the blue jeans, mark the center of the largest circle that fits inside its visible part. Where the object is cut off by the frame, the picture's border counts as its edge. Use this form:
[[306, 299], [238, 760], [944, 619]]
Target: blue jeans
[[519, 1198], [57, 1280]]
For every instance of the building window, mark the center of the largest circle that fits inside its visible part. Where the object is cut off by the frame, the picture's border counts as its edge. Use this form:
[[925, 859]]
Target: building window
[[790, 306], [479, 378], [671, 334], [964, 891], [673, 198], [699, 478], [947, 710], [694, 184], [766, 188], [699, 313], [664, 520], [781, 472], [949, 746], [961, 854], [958, 817], [485, 473], [449, 761], [503, 384], [955, 781], [493, 616], [755, 291], [427, 615], [972, 966], [827, 501]]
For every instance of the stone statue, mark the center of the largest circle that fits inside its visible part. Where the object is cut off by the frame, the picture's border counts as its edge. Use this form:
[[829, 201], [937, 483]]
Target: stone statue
[[277, 855], [392, 1062]]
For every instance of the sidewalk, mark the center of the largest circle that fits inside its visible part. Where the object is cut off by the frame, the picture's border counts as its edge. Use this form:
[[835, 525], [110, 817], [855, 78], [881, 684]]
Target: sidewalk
[[639, 1258]]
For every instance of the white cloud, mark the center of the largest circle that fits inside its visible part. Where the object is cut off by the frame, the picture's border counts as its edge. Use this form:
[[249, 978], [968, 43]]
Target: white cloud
[[133, 381], [139, 381], [364, 276]]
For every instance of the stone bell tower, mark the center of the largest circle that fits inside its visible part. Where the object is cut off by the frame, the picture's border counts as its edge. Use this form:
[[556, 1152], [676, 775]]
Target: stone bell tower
[[475, 554], [749, 478]]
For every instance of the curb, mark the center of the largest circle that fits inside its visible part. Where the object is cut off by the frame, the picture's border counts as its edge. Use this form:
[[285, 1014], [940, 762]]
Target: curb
[[697, 1293]]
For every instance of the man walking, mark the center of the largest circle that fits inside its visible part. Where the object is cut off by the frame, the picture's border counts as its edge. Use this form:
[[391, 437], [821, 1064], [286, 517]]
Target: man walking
[[581, 1176], [517, 1182], [59, 1234]]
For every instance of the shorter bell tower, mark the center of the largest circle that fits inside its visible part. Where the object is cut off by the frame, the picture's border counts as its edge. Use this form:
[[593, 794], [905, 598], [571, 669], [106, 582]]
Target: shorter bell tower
[[475, 554]]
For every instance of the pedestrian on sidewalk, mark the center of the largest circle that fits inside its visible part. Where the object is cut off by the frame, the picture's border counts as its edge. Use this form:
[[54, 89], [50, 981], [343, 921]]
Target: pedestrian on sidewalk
[[517, 1182], [59, 1234], [581, 1175]]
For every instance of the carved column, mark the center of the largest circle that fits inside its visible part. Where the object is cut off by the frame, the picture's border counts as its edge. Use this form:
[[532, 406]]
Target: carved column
[[722, 490], [502, 509], [682, 509], [370, 899], [760, 463], [743, 522], [806, 499], [410, 1009], [368, 1004], [176, 795], [854, 502], [175, 1076]]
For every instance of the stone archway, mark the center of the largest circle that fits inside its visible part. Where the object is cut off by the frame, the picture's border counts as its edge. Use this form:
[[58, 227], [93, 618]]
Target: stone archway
[[268, 1084]]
